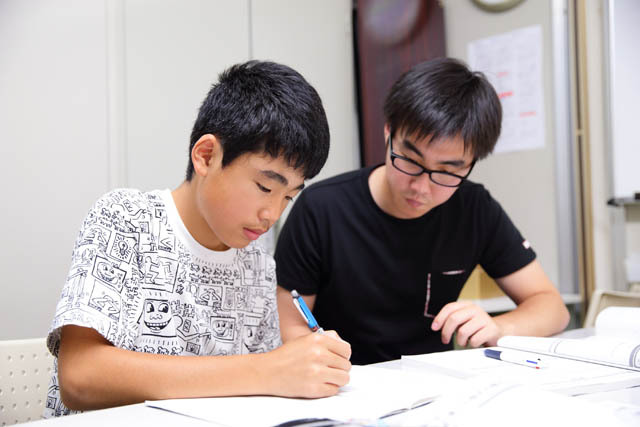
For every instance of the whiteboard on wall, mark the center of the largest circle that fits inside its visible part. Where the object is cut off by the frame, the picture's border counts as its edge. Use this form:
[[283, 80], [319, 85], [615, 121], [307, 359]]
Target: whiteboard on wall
[[624, 90]]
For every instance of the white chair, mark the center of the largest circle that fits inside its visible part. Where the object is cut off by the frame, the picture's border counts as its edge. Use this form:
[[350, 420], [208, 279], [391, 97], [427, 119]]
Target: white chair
[[25, 371], [602, 299]]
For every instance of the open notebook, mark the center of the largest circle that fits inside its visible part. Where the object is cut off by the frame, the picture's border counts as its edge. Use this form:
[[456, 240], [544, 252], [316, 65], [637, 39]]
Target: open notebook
[[573, 366], [371, 394], [616, 341]]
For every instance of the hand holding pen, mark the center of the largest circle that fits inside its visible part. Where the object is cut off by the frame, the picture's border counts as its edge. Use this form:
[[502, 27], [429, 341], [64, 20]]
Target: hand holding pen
[[311, 365]]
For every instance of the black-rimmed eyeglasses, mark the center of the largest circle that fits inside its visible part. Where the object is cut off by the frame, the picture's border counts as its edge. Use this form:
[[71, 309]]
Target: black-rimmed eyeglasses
[[408, 166]]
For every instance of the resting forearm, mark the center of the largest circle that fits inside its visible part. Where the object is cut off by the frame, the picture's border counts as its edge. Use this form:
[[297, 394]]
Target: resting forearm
[[94, 374], [126, 377], [542, 314]]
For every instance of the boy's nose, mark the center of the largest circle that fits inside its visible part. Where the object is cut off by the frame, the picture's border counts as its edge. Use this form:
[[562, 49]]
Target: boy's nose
[[268, 215], [421, 184]]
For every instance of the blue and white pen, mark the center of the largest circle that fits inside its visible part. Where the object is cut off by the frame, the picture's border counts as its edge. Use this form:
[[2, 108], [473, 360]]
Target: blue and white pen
[[305, 312], [533, 361]]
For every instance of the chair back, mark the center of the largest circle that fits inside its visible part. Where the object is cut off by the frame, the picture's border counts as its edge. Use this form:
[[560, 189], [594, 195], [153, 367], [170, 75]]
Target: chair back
[[603, 299], [25, 372]]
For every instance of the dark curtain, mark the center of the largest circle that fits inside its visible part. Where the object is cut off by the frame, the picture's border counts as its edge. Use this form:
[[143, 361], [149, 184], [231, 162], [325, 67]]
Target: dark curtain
[[390, 36]]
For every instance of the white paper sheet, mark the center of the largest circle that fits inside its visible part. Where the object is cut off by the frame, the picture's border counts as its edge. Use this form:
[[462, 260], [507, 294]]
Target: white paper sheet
[[371, 393], [513, 64], [486, 402], [566, 376]]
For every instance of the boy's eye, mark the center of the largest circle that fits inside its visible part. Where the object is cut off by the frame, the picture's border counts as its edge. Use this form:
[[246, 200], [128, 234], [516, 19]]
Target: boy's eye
[[288, 198], [263, 188]]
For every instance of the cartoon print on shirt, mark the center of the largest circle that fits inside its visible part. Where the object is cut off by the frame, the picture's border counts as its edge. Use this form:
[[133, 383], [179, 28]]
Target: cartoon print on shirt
[[223, 328], [74, 289], [135, 280], [192, 348], [122, 247], [87, 256], [166, 238], [253, 268], [229, 302], [210, 296], [108, 273], [53, 402], [106, 301], [156, 317], [147, 241], [161, 272], [185, 318], [96, 235], [254, 334], [241, 299]]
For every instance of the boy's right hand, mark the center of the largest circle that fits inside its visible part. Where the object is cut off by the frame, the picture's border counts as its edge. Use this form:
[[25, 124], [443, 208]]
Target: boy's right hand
[[314, 365]]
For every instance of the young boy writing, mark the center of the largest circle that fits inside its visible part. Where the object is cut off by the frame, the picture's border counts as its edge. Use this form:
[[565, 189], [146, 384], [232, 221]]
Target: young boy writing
[[162, 275]]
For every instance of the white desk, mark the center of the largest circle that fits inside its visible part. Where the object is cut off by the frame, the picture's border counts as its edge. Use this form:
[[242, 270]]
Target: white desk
[[138, 415], [143, 416], [628, 395]]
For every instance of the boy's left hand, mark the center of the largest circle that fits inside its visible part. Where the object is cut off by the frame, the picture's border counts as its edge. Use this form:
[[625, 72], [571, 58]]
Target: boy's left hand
[[474, 326]]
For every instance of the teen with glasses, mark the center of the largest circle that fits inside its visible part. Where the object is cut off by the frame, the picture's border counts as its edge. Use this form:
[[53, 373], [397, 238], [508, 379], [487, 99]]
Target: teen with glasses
[[380, 254]]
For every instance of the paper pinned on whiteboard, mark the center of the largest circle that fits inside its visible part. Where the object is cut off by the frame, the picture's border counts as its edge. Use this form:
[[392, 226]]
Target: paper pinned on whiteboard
[[512, 63]]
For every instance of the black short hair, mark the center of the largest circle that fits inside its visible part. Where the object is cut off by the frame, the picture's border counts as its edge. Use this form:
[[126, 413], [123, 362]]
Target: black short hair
[[264, 107], [442, 98]]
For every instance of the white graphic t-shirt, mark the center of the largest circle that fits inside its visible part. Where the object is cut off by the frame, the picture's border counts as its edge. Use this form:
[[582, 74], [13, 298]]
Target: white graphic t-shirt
[[143, 282]]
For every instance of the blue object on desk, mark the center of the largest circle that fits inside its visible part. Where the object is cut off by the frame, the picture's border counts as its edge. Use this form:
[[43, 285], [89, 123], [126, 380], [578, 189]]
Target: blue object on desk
[[305, 312], [531, 361]]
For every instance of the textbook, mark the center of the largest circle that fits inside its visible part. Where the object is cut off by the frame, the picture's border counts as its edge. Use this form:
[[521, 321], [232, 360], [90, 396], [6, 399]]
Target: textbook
[[607, 361], [616, 341]]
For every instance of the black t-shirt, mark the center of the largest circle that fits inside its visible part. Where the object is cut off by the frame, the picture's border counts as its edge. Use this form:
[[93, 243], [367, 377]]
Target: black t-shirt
[[380, 280]]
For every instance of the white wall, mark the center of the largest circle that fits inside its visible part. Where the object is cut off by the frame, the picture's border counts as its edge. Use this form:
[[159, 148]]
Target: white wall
[[173, 52], [97, 94], [54, 158], [524, 182]]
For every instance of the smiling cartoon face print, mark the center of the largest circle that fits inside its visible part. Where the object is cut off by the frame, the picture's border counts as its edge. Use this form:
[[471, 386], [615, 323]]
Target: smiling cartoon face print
[[156, 318]]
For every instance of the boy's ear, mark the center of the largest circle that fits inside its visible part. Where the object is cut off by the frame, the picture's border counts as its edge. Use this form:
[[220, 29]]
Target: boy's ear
[[387, 130], [206, 152]]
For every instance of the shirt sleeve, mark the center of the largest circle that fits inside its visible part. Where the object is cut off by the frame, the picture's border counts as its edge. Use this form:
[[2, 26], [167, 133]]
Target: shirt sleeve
[[506, 251], [299, 250], [98, 291]]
